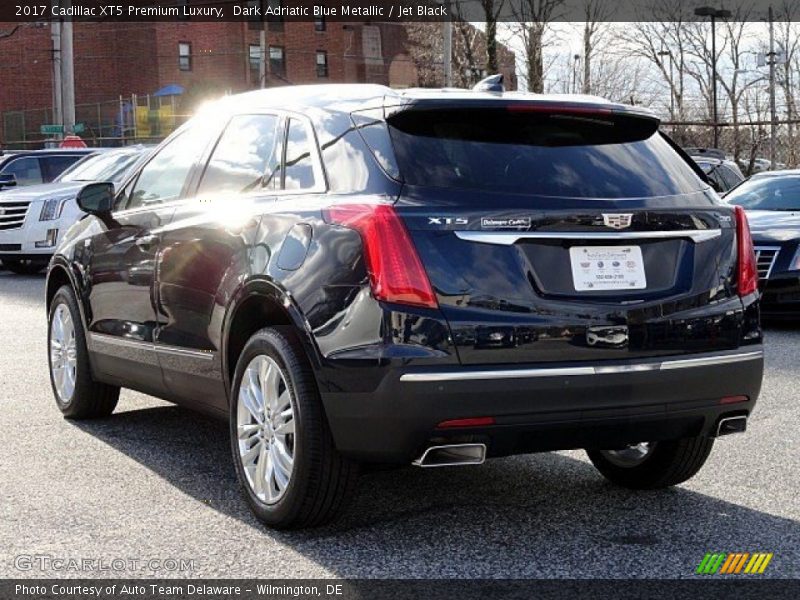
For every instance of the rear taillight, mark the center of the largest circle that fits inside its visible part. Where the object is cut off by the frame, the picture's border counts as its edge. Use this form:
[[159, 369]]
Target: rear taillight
[[748, 272], [395, 270]]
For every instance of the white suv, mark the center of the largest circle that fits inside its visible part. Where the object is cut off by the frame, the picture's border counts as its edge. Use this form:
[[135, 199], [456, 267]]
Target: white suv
[[33, 218]]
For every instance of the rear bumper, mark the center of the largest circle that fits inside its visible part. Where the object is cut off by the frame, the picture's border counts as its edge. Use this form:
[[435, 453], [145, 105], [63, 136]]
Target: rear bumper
[[539, 409]]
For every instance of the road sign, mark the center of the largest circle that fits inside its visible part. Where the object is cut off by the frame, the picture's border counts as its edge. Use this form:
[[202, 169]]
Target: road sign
[[51, 129]]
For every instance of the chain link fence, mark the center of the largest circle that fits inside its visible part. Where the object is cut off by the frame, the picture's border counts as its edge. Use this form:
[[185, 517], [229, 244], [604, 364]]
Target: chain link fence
[[127, 120], [748, 144]]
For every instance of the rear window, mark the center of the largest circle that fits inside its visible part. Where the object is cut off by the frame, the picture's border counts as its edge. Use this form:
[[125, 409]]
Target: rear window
[[545, 154]]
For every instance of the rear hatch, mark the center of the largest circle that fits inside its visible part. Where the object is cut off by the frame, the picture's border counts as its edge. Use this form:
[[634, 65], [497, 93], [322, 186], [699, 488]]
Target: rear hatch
[[555, 233]]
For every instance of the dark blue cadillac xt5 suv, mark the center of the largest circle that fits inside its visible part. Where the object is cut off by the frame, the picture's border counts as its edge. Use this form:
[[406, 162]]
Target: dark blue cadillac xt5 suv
[[352, 274]]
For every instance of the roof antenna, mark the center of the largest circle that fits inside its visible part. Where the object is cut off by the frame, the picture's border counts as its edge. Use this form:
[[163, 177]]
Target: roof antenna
[[493, 83]]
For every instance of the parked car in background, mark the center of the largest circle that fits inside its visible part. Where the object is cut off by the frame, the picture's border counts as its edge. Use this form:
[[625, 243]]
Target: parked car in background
[[33, 167], [33, 219], [772, 202], [722, 172], [353, 274]]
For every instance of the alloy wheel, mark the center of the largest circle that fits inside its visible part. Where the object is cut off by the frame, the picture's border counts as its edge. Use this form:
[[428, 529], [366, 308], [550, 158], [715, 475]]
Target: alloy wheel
[[63, 353], [266, 429]]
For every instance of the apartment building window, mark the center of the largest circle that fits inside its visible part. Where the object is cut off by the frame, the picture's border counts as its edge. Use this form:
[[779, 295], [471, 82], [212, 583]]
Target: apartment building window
[[320, 24], [275, 22], [322, 63], [184, 56], [277, 61]]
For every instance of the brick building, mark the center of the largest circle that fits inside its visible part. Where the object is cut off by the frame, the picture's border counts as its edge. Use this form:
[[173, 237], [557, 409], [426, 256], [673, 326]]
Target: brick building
[[119, 60]]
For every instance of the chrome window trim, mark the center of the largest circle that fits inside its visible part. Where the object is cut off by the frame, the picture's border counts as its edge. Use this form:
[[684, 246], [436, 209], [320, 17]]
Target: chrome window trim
[[667, 365], [160, 348], [509, 238]]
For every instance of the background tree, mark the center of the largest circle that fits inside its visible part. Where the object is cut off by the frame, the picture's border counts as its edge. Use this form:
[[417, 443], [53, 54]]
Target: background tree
[[532, 21], [491, 12]]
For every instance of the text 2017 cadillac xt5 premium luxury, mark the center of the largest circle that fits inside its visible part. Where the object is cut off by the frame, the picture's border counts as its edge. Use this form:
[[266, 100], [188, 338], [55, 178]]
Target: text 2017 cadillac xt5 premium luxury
[[352, 274]]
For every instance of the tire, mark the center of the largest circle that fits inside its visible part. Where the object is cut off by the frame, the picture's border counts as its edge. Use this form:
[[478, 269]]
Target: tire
[[85, 398], [24, 267], [666, 464], [320, 480]]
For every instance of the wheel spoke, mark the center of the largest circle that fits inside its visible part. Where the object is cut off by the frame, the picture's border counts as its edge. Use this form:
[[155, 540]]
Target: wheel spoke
[[248, 431], [284, 402], [255, 390], [246, 398], [285, 428], [281, 471], [269, 476], [260, 482], [249, 456]]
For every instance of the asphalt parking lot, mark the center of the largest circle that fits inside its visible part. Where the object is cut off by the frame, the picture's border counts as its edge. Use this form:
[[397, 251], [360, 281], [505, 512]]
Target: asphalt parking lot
[[156, 482]]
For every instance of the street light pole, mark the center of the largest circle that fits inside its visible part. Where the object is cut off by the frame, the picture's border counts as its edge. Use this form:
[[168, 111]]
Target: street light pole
[[714, 13]]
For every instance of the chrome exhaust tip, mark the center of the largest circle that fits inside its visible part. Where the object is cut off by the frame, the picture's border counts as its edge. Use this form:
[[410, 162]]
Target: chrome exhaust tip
[[730, 425], [455, 455]]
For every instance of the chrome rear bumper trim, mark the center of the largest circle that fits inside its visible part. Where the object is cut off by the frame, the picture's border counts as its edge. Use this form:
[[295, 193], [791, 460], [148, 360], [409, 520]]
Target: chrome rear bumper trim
[[668, 365], [509, 238]]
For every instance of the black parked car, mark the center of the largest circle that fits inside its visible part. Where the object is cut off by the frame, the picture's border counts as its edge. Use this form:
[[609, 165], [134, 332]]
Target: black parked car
[[34, 167], [772, 202], [324, 266], [724, 174]]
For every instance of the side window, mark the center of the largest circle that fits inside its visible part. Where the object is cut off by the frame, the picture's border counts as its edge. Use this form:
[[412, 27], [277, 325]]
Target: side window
[[245, 157], [729, 176], [53, 166], [299, 164], [164, 177], [26, 170]]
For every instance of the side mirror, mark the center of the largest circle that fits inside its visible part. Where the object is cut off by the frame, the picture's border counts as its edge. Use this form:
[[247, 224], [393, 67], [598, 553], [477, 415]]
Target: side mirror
[[8, 180], [97, 198]]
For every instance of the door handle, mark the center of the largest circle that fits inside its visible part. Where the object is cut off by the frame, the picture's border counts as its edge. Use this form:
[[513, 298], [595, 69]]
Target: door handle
[[146, 240]]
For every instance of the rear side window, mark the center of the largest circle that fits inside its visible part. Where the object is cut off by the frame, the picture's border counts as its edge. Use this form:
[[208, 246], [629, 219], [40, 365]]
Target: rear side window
[[730, 178], [245, 156], [299, 170], [535, 153]]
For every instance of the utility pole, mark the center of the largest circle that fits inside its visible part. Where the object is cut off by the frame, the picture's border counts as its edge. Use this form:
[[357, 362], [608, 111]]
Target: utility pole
[[448, 47], [262, 65], [262, 39], [55, 33], [67, 73], [773, 126]]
